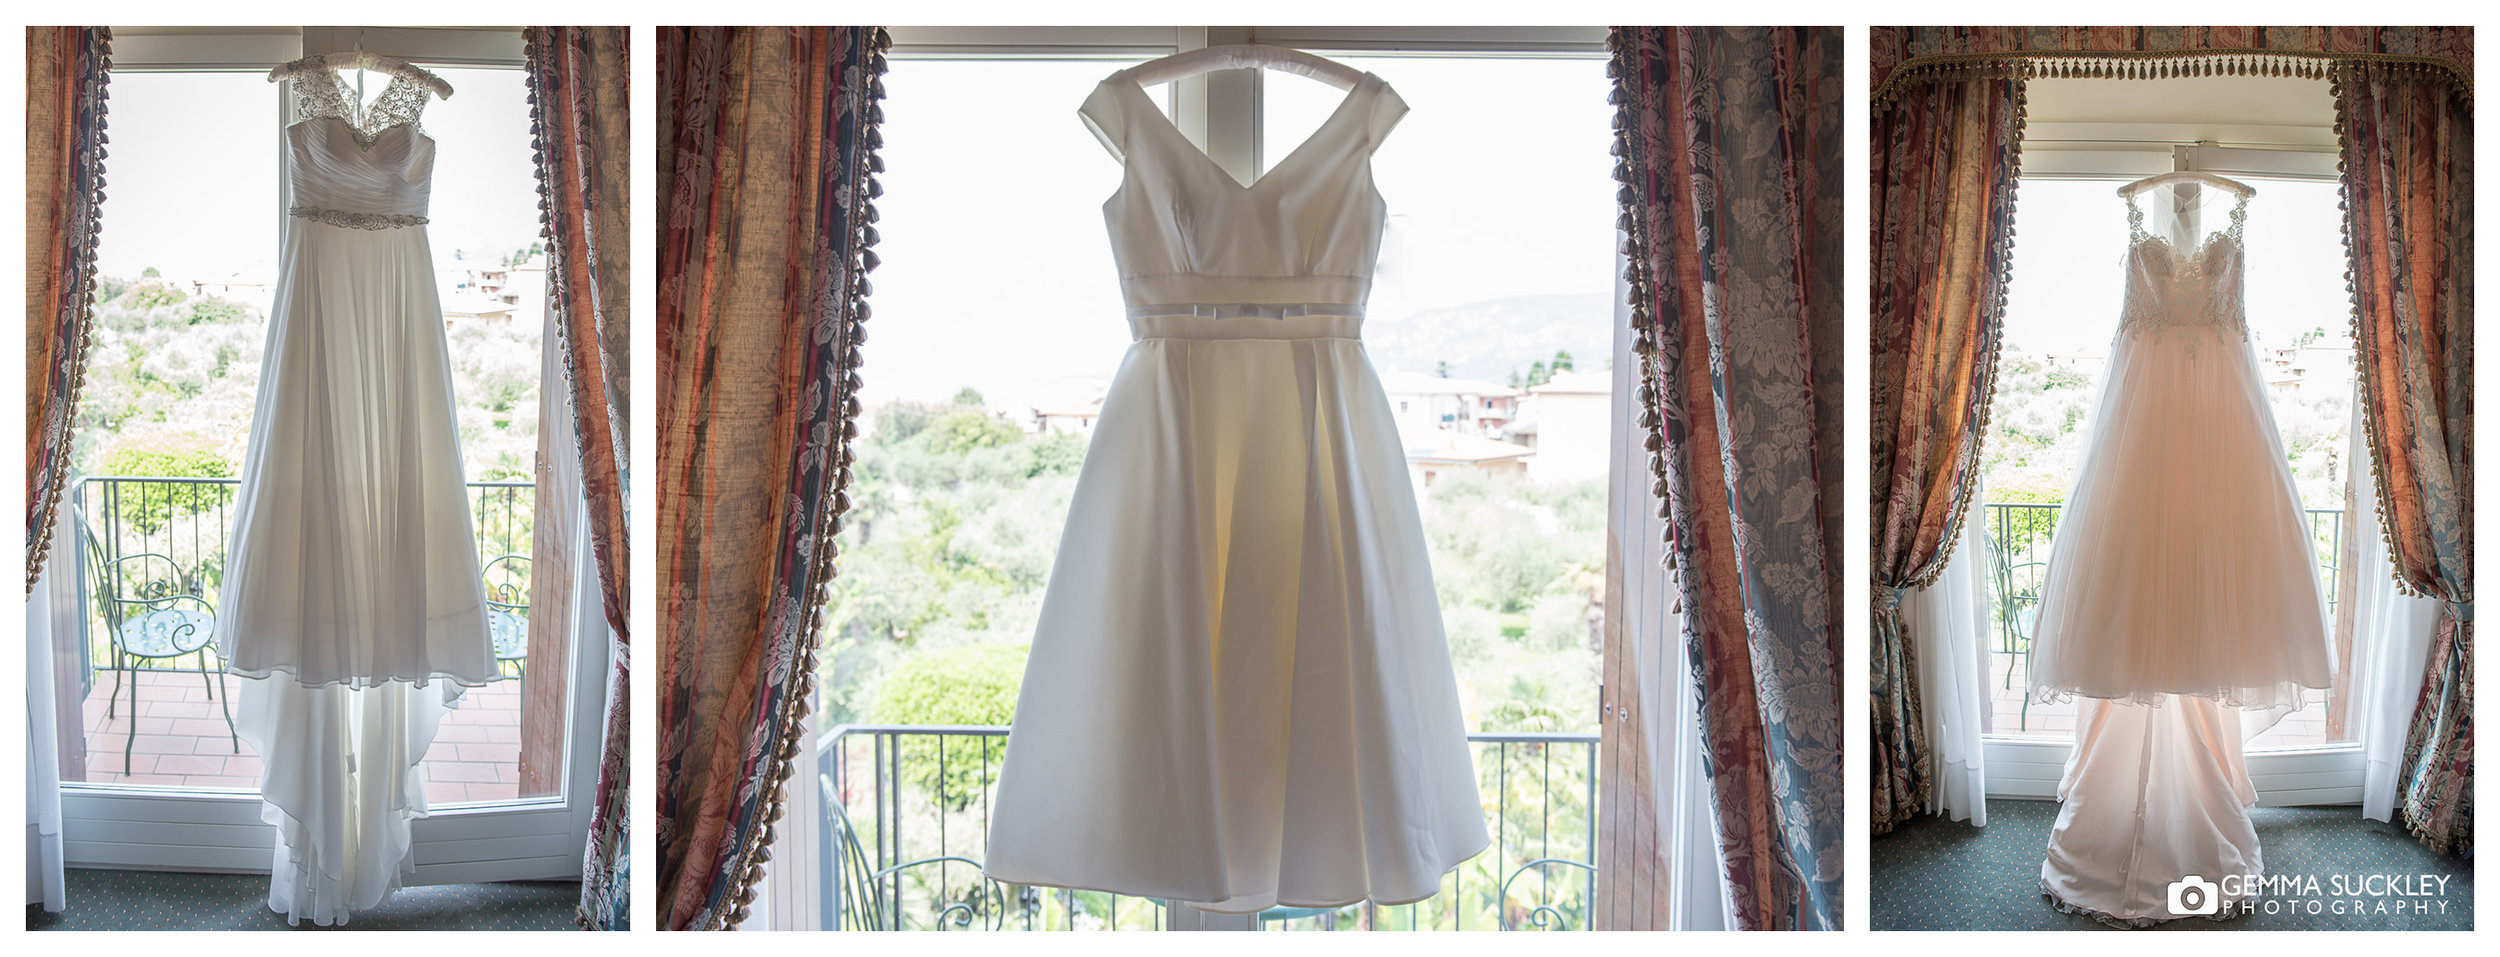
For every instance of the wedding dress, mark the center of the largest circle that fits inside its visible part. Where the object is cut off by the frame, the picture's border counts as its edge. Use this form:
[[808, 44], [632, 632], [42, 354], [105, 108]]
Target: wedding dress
[[2182, 582], [352, 592], [1239, 693]]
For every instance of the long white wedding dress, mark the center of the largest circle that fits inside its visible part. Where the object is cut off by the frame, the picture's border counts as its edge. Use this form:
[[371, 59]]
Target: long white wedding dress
[[352, 598], [1239, 694], [2182, 583]]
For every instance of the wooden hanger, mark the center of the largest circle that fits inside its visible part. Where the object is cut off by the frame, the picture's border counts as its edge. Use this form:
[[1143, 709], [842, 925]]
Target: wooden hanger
[[1244, 56], [2233, 186], [358, 59]]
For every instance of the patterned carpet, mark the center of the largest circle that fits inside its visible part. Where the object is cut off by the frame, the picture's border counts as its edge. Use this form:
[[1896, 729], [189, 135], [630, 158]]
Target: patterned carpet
[[159, 900], [1935, 874]]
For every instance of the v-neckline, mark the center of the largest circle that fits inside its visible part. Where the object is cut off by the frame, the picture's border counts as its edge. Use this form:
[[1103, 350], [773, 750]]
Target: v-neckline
[[1164, 121]]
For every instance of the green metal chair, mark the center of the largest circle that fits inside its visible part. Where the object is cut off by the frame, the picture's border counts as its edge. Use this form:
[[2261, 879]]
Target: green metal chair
[[152, 612], [508, 612]]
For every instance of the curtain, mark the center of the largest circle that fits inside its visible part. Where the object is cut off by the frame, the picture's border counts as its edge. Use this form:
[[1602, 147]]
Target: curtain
[[1731, 196], [46, 881], [577, 79], [767, 146], [1950, 622], [2408, 161], [1945, 157], [2386, 680], [66, 72]]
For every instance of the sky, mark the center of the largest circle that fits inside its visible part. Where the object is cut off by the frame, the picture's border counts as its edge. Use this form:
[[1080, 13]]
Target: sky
[[2069, 260], [996, 272], [193, 176]]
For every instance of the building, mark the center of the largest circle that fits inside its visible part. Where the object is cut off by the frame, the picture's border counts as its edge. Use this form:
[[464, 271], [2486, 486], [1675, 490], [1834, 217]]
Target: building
[[1424, 405], [1568, 422], [1068, 419], [1446, 452]]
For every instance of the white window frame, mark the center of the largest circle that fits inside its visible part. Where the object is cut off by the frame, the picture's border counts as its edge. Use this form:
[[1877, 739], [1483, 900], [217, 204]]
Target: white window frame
[[2027, 767], [154, 827]]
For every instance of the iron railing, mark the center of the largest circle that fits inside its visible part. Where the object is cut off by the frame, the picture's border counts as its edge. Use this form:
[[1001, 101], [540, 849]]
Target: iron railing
[[906, 821], [2019, 536], [183, 524]]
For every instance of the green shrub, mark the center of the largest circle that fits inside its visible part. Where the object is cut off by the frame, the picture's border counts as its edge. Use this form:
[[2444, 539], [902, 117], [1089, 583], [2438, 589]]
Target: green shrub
[[962, 432], [145, 508], [965, 684]]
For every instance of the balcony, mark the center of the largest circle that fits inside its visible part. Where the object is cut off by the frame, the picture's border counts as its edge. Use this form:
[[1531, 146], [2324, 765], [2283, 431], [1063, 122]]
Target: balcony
[[906, 816], [155, 704], [2018, 537]]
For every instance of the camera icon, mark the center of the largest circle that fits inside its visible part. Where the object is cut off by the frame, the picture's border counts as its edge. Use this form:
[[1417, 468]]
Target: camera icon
[[2194, 896]]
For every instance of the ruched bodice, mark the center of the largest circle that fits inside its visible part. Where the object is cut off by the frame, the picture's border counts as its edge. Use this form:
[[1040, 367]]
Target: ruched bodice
[[1186, 233], [2170, 289], [370, 168], [331, 170]]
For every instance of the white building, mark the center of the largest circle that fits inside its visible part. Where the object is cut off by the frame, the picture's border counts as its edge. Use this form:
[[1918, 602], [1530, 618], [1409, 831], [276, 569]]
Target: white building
[[1425, 405], [1445, 452], [1568, 422]]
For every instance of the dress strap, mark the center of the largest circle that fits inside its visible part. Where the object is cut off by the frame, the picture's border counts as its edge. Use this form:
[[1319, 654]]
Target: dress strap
[[2135, 221], [2239, 216]]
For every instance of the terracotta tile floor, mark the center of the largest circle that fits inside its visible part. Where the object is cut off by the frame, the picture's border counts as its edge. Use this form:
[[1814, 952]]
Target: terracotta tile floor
[[182, 739]]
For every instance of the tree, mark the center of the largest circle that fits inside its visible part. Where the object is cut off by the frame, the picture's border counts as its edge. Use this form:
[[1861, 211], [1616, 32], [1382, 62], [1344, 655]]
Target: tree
[[965, 684], [968, 430], [1539, 375], [1562, 361], [969, 396], [147, 507], [1442, 368]]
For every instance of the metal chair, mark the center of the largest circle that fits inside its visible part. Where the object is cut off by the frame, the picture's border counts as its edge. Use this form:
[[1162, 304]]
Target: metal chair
[[508, 612], [859, 897], [152, 613]]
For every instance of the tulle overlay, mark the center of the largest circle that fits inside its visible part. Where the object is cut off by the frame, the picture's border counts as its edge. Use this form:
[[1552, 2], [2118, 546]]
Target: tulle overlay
[[1239, 693], [2182, 564], [354, 561]]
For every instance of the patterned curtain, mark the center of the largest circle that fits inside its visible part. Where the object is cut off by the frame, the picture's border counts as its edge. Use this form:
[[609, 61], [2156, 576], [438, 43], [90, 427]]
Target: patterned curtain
[[1945, 155], [2408, 161], [1730, 141], [578, 133], [66, 71], [767, 149]]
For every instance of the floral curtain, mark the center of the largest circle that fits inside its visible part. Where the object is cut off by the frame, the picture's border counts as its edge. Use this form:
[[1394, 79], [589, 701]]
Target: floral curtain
[[767, 148], [2408, 161], [1730, 141], [1945, 156], [577, 79], [66, 72]]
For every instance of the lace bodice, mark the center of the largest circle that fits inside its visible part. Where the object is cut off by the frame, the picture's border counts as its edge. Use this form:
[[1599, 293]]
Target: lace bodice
[[373, 167], [2170, 290], [321, 91]]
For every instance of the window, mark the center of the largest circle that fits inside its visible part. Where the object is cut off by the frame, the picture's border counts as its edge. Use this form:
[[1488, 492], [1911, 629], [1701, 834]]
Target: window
[[187, 264], [2087, 137], [1493, 288]]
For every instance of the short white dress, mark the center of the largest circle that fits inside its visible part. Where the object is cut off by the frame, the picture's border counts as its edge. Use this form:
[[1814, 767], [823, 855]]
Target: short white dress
[[1239, 694]]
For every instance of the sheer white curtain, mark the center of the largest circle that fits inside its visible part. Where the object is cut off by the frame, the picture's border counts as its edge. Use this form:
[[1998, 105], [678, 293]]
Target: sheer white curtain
[[44, 876], [1948, 621], [2393, 631]]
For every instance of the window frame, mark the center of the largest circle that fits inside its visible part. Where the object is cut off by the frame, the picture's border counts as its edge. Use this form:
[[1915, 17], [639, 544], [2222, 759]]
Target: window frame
[[157, 827], [2028, 767]]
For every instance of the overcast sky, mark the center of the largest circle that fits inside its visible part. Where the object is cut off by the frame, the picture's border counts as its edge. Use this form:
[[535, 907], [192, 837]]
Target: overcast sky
[[2071, 243], [997, 274], [193, 175]]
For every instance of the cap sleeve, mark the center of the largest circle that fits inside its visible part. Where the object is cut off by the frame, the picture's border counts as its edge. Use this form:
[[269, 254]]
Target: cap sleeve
[[1387, 109], [1102, 115]]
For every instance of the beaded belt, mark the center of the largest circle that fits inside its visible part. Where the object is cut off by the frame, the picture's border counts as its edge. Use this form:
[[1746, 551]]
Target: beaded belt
[[1247, 310], [341, 217], [1247, 320]]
